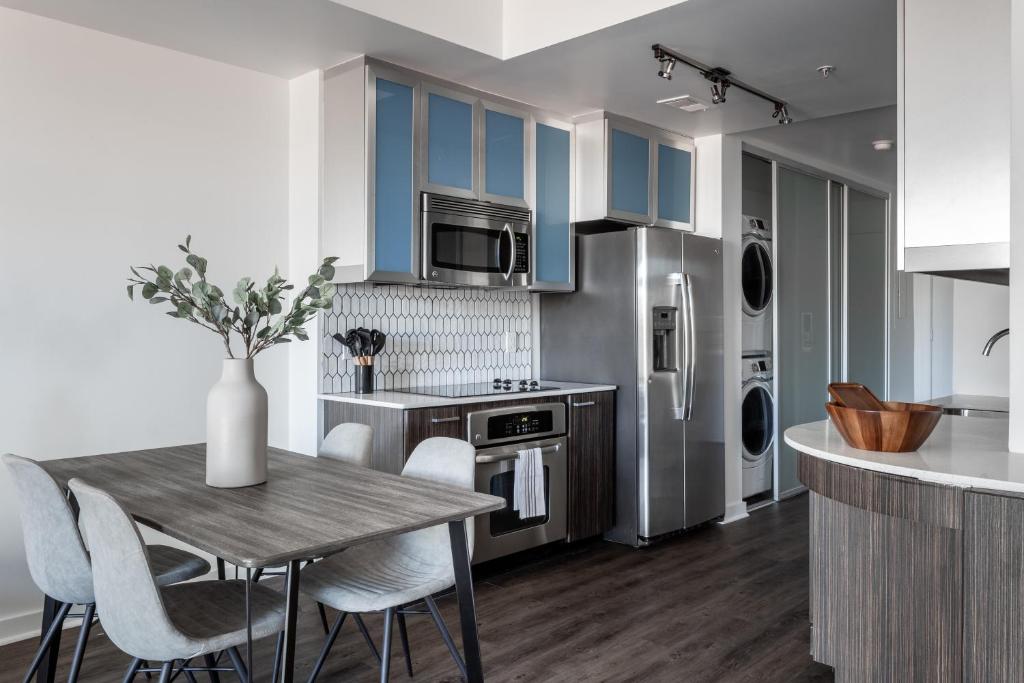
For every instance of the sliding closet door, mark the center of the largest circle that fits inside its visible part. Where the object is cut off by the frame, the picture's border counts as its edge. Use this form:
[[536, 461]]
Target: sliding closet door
[[802, 351], [866, 309]]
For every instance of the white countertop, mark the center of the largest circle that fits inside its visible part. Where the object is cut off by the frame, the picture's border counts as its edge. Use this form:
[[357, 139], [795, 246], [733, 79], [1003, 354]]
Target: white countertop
[[962, 451], [999, 404], [405, 401]]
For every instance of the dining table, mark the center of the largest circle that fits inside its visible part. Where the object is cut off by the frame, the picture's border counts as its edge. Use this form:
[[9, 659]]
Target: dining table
[[308, 508]]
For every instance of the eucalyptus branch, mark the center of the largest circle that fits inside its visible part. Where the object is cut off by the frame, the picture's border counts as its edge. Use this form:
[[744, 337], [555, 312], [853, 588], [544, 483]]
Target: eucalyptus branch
[[194, 299]]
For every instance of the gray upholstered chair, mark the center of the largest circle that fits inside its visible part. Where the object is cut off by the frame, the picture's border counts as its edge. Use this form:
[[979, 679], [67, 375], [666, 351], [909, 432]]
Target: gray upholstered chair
[[392, 574], [349, 442], [59, 561], [170, 623]]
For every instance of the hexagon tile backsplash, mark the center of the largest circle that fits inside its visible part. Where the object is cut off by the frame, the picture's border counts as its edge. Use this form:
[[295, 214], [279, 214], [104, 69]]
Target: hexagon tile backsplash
[[435, 336]]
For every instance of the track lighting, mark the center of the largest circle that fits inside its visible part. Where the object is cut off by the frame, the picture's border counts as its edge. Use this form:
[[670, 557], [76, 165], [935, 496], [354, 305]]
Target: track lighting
[[721, 80], [667, 64]]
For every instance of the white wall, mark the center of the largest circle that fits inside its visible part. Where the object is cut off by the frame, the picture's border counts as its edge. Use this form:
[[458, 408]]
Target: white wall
[[111, 151], [979, 311]]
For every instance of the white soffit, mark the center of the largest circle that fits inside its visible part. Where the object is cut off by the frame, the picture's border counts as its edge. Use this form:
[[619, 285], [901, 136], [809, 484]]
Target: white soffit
[[507, 28]]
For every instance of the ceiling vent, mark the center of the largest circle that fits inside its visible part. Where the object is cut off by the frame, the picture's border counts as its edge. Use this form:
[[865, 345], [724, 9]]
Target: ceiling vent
[[686, 103]]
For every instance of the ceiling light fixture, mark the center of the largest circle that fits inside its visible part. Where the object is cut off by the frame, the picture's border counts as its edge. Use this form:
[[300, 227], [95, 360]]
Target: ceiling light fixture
[[882, 145], [825, 70], [721, 80]]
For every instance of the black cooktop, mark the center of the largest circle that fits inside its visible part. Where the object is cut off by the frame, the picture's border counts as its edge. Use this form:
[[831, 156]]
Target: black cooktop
[[479, 389]]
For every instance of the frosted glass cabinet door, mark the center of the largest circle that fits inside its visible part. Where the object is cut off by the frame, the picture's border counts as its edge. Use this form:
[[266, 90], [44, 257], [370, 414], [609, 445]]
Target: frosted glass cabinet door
[[504, 157], [449, 143], [802, 301], [393, 198], [553, 239], [629, 174], [675, 185]]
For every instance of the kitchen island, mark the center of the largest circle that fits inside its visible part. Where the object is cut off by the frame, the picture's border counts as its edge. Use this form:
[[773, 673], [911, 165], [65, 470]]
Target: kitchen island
[[917, 559]]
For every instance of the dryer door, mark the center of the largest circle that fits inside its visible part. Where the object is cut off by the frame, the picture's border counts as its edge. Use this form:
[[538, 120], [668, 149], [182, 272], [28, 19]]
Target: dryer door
[[758, 415], [756, 276]]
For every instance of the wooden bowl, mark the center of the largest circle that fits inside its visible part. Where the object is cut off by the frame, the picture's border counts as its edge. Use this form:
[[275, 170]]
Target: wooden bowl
[[900, 428]]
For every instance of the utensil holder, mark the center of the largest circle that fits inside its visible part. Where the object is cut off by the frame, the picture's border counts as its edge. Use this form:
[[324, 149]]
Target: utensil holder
[[364, 379]]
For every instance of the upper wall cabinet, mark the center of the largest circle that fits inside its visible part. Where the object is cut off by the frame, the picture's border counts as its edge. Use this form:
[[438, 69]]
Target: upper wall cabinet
[[370, 218], [953, 183], [450, 142], [634, 173], [553, 253], [504, 154]]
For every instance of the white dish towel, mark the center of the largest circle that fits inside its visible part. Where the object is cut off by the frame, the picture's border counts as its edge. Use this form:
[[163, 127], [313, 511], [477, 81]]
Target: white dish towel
[[528, 486]]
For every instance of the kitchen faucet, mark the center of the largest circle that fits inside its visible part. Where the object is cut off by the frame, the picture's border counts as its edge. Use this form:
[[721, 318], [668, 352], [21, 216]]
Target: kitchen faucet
[[993, 339]]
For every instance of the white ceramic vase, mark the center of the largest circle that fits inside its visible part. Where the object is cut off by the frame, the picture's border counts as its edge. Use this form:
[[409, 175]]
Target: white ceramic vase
[[236, 427]]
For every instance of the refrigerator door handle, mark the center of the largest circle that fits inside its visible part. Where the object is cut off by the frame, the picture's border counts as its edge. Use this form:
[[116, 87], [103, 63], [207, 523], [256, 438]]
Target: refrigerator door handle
[[691, 348], [683, 346]]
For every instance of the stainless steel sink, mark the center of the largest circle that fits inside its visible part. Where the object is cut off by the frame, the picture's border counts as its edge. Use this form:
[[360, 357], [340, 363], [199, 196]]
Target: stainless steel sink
[[974, 412]]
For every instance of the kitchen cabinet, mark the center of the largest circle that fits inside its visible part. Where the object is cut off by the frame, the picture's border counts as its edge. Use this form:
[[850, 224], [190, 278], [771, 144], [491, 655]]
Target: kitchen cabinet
[[554, 265], [634, 173], [953, 185], [505, 145], [426, 423], [450, 141], [591, 464]]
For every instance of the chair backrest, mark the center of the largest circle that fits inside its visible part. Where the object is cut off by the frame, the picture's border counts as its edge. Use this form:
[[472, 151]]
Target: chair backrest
[[349, 442], [57, 558], [134, 616], [444, 461]]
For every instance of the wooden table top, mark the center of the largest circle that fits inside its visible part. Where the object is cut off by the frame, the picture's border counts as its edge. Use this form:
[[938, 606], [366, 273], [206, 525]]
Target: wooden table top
[[309, 507]]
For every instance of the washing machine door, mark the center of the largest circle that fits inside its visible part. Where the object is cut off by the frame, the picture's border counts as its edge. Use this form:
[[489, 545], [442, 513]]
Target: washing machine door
[[756, 276], [758, 415]]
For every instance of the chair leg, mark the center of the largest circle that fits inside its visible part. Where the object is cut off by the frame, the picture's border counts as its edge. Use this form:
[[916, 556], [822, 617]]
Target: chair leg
[[361, 625], [211, 662], [404, 635], [133, 669], [257, 575], [385, 651], [165, 672], [446, 636], [83, 638], [236, 661], [44, 643], [145, 665], [323, 616], [328, 644], [277, 657]]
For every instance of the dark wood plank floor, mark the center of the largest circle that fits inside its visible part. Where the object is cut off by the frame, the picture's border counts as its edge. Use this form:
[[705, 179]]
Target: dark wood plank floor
[[718, 604]]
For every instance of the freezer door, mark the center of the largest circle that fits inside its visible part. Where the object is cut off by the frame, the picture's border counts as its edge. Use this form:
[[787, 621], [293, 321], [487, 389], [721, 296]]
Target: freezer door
[[661, 375], [705, 398]]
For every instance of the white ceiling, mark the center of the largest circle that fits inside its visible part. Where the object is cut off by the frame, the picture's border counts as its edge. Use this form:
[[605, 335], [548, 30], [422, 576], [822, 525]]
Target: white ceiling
[[772, 44]]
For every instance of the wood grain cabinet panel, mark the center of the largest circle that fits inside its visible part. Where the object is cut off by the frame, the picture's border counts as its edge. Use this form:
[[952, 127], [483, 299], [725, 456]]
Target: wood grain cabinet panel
[[591, 464], [425, 423]]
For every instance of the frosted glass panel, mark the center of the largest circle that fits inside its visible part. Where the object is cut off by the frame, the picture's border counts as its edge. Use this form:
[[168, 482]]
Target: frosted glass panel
[[866, 310], [802, 368]]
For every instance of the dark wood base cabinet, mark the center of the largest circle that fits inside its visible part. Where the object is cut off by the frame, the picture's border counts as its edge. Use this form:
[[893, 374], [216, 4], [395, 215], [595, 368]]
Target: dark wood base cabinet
[[913, 581], [591, 436]]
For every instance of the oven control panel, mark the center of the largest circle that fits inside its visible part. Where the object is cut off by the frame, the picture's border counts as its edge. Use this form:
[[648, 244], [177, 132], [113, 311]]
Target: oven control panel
[[516, 423]]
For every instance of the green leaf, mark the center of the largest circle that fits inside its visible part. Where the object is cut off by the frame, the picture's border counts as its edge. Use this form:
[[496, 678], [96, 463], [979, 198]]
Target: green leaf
[[185, 309], [275, 306], [131, 292], [301, 335], [183, 248], [149, 290], [328, 290], [183, 274], [282, 340], [330, 260], [188, 241], [158, 299], [250, 318], [173, 314], [241, 292], [165, 272], [135, 272], [316, 280], [326, 272], [197, 262]]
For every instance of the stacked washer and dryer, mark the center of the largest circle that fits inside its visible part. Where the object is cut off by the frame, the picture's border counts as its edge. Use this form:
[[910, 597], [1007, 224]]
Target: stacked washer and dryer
[[757, 396]]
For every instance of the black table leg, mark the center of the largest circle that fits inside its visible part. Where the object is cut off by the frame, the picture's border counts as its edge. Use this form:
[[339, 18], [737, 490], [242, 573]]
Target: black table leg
[[48, 667], [467, 605], [221, 573], [291, 587]]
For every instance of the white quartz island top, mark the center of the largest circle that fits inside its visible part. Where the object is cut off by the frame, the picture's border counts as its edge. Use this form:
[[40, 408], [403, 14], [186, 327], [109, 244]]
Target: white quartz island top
[[405, 401], [962, 451]]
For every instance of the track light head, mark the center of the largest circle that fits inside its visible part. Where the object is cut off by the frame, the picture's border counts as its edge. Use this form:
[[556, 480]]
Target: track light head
[[718, 89], [782, 114], [667, 64]]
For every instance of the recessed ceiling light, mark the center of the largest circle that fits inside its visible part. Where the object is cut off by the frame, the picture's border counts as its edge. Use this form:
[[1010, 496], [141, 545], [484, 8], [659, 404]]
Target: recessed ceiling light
[[882, 145], [685, 102]]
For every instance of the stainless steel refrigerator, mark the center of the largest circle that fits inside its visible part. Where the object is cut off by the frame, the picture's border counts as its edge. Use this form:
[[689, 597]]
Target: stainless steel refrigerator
[[647, 317]]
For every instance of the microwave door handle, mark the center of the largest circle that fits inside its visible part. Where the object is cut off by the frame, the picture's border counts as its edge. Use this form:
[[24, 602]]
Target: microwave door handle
[[507, 230]]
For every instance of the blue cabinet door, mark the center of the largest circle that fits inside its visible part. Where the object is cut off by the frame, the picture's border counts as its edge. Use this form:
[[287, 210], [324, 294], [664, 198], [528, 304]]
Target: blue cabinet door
[[630, 175], [674, 186], [393, 200], [553, 253], [504, 162], [449, 143]]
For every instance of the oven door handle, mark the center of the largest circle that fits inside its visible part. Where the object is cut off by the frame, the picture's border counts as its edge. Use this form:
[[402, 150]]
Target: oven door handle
[[507, 230], [484, 459]]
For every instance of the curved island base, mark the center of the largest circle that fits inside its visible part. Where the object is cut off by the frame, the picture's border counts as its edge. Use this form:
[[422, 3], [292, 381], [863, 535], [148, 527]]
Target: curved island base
[[912, 580]]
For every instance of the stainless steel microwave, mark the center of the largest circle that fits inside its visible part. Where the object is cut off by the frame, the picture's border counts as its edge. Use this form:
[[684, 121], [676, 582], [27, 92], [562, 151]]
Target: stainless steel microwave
[[475, 243]]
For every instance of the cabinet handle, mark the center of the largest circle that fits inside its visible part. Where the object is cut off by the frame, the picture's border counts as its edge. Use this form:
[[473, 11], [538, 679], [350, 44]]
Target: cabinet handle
[[584, 404], [439, 420]]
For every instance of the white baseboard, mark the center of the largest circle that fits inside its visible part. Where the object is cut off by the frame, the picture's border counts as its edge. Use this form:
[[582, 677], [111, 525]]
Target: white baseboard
[[734, 512]]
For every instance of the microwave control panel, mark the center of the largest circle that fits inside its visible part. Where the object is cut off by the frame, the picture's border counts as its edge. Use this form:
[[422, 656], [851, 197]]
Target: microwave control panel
[[522, 257]]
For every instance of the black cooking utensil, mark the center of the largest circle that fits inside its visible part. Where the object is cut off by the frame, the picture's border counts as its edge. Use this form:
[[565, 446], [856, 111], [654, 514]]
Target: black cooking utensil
[[378, 338], [365, 341]]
